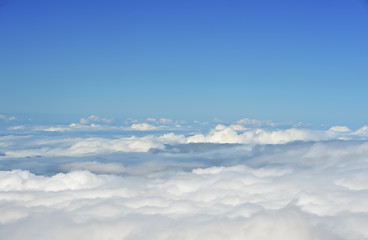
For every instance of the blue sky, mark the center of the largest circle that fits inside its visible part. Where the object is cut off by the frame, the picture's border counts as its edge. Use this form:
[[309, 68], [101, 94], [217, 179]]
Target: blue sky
[[300, 60]]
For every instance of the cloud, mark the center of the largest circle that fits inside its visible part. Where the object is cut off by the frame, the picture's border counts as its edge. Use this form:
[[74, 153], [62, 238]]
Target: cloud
[[239, 134], [302, 191], [94, 167], [19, 127], [94, 118], [255, 122], [79, 146], [143, 127], [339, 129], [93, 144], [362, 131], [234, 181], [161, 120], [165, 120], [7, 118], [76, 127]]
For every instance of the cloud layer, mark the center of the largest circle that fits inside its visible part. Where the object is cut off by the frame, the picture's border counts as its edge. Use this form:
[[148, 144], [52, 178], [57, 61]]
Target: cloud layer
[[231, 182], [95, 135]]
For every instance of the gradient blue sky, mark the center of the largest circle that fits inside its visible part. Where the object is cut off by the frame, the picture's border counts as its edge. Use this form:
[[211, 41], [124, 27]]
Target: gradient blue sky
[[304, 60]]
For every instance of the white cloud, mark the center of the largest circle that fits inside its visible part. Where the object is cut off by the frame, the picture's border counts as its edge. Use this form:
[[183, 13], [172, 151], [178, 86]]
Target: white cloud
[[76, 127], [220, 134], [362, 131], [152, 120], [94, 118], [340, 129], [255, 122], [143, 127], [165, 120], [309, 185], [238, 134], [299, 191]]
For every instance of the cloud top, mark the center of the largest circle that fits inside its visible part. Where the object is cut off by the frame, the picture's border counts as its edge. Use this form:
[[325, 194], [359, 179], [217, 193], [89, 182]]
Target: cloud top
[[317, 201], [222, 181]]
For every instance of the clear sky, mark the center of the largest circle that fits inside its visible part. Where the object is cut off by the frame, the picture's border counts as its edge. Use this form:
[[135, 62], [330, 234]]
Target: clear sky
[[304, 60]]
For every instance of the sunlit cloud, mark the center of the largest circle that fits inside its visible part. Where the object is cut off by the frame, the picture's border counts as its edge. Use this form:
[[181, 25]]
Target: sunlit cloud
[[233, 181]]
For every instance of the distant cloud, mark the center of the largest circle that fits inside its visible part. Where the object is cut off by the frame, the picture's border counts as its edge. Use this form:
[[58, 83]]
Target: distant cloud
[[247, 121], [94, 143], [143, 127], [7, 118], [165, 120], [94, 167], [94, 118], [152, 120], [19, 127], [339, 129], [239, 134], [362, 131]]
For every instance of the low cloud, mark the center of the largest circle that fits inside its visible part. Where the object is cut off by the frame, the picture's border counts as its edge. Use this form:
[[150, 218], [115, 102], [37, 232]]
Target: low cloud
[[230, 182], [131, 142], [306, 191], [94, 119], [239, 134], [94, 167], [143, 127]]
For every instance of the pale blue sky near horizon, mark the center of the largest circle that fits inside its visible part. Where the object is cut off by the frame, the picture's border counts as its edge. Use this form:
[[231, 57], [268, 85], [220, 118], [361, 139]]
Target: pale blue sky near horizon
[[303, 60]]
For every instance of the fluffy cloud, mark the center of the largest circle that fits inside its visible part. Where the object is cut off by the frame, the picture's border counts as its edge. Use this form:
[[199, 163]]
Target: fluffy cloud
[[143, 127], [303, 191], [221, 134], [234, 181], [239, 134]]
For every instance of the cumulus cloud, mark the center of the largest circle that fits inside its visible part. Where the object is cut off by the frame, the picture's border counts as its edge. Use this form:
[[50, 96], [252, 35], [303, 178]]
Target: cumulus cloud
[[77, 146], [315, 191], [220, 134], [234, 181], [239, 134], [143, 127]]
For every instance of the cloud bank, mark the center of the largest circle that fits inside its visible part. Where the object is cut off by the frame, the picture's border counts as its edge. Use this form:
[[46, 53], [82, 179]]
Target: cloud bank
[[230, 182]]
